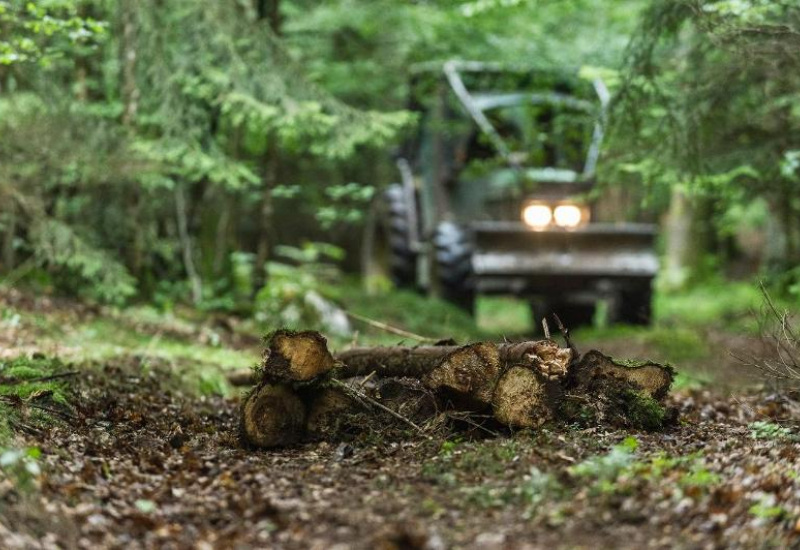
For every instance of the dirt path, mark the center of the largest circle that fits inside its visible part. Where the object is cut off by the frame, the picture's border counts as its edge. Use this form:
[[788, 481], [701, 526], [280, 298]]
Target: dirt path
[[145, 466]]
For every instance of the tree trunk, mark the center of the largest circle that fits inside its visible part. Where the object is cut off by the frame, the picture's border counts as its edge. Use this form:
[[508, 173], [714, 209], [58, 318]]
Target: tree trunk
[[186, 245], [687, 238], [9, 250], [271, 11], [266, 232], [130, 89]]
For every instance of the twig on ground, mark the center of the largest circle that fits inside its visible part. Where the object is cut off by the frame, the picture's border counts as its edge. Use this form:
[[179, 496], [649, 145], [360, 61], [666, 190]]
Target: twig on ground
[[467, 417], [367, 379], [20, 403], [388, 328], [56, 412], [545, 328], [360, 396]]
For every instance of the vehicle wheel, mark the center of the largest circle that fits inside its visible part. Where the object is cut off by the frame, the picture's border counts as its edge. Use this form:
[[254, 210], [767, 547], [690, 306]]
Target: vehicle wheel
[[386, 249], [636, 305], [454, 265]]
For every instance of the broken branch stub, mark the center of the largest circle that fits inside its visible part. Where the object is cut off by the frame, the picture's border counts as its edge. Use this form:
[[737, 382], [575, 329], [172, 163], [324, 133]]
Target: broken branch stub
[[296, 356]]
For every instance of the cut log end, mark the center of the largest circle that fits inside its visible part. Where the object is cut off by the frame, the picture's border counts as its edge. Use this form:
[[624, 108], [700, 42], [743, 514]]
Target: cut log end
[[326, 408], [626, 394], [467, 376], [297, 356], [524, 398], [272, 416], [652, 379]]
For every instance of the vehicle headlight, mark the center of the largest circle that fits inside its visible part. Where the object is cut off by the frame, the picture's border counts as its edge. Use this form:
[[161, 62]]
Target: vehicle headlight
[[537, 216], [568, 215]]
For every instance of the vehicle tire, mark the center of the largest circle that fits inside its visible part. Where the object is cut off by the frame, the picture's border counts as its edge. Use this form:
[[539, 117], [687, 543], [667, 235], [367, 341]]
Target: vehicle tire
[[386, 249], [636, 304], [454, 247]]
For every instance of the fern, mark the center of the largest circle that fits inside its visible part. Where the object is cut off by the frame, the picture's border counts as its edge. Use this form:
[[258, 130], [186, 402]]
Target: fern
[[57, 247]]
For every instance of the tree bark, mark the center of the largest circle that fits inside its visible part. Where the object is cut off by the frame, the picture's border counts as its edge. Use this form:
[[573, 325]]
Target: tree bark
[[9, 249], [302, 356], [271, 11], [130, 89], [186, 245]]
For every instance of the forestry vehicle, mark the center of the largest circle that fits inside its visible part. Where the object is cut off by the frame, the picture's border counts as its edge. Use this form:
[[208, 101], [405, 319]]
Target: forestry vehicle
[[494, 198]]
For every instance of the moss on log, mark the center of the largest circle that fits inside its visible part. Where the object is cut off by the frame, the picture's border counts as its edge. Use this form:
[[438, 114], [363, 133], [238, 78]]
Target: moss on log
[[649, 378]]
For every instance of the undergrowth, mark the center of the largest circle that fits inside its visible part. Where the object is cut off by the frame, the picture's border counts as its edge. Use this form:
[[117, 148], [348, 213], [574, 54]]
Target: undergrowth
[[33, 394], [616, 471]]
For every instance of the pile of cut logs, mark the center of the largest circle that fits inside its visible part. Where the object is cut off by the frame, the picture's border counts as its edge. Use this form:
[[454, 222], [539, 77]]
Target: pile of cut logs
[[522, 385]]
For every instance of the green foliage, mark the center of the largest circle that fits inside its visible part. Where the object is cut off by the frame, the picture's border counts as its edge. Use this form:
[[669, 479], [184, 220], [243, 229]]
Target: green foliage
[[267, 129], [504, 315], [213, 383], [709, 104], [643, 411], [409, 310], [45, 31], [537, 488], [725, 303], [285, 300], [615, 471], [28, 396], [66, 153], [768, 509], [605, 469], [346, 204], [769, 430], [361, 50], [21, 467], [145, 506], [99, 275], [194, 99]]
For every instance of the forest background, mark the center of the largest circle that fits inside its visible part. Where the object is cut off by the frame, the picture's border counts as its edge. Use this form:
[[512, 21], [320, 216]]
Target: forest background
[[222, 154]]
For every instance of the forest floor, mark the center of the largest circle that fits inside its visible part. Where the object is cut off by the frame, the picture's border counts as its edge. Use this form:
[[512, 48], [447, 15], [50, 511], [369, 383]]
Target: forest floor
[[143, 452]]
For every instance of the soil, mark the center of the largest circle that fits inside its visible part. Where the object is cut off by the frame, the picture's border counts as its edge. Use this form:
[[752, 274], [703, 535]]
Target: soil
[[145, 465]]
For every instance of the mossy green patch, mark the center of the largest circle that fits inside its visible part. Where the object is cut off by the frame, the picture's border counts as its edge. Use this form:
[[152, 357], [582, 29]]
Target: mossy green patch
[[624, 407], [31, 385], [642, 411]]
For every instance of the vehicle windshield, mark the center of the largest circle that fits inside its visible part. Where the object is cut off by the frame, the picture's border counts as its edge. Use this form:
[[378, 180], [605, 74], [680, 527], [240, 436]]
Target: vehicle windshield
[[544, 125], [538, 132]]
